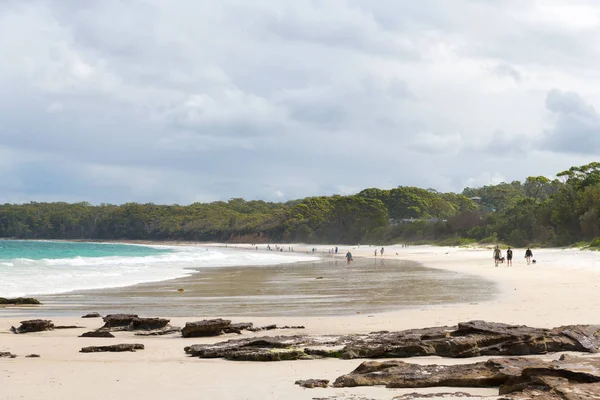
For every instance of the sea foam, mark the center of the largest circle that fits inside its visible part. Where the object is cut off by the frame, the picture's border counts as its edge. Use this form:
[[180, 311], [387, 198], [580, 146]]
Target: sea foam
[[27, 277]]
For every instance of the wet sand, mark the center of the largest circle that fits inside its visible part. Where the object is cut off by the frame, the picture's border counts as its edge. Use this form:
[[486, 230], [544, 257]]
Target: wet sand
[[560, 289], [326, 288]]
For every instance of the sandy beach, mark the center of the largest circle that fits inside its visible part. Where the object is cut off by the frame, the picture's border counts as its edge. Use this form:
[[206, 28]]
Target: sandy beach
[[560, 289]]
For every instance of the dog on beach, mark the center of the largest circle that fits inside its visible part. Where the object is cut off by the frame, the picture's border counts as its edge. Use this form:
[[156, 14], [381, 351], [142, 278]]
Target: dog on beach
[[501, 260], [533, 261]]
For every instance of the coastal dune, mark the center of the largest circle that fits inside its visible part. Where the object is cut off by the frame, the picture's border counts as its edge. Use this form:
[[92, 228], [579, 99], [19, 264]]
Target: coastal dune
[[560, 289]]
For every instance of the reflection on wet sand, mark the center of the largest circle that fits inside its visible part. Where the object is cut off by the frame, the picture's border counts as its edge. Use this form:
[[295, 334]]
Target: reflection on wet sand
[[328, 287]]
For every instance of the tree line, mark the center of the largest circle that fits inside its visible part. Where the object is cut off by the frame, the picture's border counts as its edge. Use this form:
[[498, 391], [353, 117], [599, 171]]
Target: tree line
[[556, 212]]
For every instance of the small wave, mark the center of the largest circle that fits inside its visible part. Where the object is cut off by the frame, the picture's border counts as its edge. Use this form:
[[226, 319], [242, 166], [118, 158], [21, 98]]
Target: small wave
[[21, 276]]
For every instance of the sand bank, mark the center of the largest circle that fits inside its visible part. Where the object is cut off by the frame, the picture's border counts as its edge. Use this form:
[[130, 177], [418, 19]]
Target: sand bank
[[561, 288]]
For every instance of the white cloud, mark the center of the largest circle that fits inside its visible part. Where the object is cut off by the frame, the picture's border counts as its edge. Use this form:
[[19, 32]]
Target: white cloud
[[185, 100]]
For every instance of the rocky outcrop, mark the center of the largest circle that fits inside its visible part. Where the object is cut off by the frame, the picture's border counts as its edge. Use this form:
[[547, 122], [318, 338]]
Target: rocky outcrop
[[19, 301], [399, 374], [98, 334], [469, 339], [210, 327], [147, 324], [113, 348], [33, 325], [131, 322], [313, 383], [92, 315], [118, 320], [569, 378], [6, 354], [32, 356]]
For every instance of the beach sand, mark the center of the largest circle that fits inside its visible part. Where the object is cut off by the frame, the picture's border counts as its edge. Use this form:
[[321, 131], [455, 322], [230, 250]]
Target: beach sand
[[560, 289]]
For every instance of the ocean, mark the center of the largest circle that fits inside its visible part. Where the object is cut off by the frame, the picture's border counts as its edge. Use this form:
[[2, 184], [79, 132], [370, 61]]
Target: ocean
[[29, 268]]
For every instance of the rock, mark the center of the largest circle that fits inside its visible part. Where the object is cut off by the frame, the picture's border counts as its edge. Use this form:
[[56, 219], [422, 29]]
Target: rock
[[112, 348], [569, 378], [6, 354], [69, 327], [436, 396], [98, 334], [19, 301], [238, 327], [33, 325], [159, 332], [147, 324], [263, 328], [32, 356], [469, 339], [313, 383], [211, 327], [398, 374], [118, 320], [92, 315]]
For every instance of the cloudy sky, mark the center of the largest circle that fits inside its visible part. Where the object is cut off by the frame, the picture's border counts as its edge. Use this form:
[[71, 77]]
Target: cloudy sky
[[198, 100]]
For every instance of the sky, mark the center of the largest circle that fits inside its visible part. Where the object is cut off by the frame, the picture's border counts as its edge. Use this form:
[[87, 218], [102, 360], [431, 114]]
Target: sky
[[183, 101]]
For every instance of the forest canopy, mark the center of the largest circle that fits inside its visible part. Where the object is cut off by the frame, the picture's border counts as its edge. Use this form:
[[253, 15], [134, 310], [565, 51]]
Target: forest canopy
[[553, 212]]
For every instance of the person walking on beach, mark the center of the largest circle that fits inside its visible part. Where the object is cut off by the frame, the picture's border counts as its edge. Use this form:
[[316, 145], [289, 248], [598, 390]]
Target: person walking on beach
[[497, 254], [375, 252], [509, 257], [381, 251], [348, 257], [528, 255]]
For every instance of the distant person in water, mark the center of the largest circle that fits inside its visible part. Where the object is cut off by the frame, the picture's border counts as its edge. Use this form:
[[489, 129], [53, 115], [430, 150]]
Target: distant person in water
[[336, 250], [497, 255], [381, 251], [528, 255], [375, 252], [509, 254], [348, 257]]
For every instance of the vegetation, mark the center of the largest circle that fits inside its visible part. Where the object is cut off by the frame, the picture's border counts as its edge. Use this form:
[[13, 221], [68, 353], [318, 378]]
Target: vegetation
[[558, 212]]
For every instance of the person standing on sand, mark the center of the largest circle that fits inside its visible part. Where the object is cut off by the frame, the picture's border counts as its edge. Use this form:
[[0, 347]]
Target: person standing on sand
[[509, 257], [375, 252], [381, 251], [497, 255], [528, 255], [348, 257]]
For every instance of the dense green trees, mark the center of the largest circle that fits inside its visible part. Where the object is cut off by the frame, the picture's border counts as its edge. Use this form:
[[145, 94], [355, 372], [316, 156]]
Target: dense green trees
[[539, 210]]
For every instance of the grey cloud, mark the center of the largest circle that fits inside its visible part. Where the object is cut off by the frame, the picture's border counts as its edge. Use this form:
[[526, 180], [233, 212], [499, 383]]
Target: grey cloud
[[506, 70], [194, 100], [576, 124]]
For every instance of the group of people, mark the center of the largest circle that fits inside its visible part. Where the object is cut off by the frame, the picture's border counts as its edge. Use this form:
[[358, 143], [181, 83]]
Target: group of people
[[380, 251], [499, 258]]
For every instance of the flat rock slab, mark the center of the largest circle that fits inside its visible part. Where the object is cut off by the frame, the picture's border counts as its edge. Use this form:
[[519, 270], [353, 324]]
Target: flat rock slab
[[98, 334], [210, 327], [115, 348], [313, 383], [468, 339], [6, 354], [167, 330], [32, 356], [33, 325], [118, 320], [131, 322], [569, 378]]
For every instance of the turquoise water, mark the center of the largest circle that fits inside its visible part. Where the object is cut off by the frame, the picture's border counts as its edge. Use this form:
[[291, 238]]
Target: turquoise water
[[39, 250], [45, 267]]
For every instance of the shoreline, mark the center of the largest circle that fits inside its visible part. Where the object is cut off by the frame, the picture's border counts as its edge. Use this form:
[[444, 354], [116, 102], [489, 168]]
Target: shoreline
[[560, 289]]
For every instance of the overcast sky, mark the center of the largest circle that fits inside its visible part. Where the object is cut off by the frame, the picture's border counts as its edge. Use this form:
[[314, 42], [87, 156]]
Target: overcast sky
[[198, 100]]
